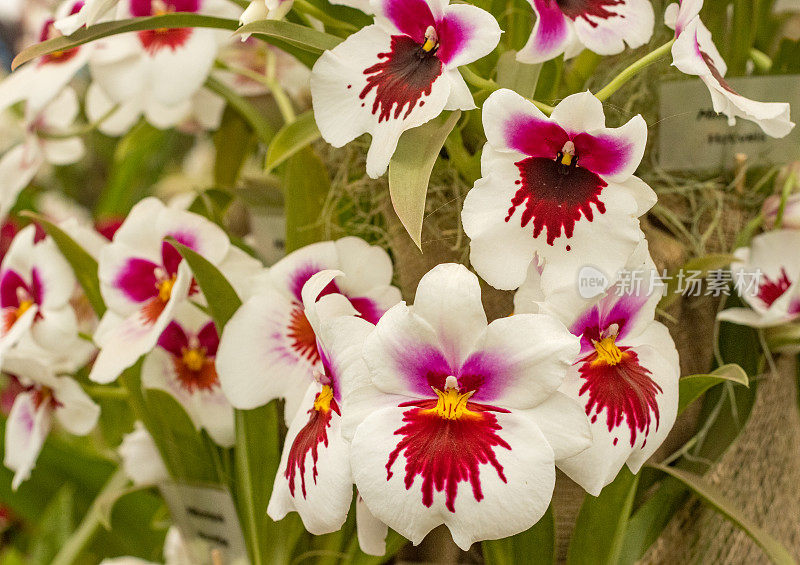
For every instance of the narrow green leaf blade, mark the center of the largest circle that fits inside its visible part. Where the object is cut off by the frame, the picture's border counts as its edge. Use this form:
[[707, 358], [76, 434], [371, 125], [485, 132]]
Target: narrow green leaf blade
[[710, 495], [83, 264], [410, 171], [298, 35], [233, 141], [519, 77], [291, 138], [222, 298], [107, 29], [602, 522], [691, 387], [537, 545], [305, 187], [246, 110]]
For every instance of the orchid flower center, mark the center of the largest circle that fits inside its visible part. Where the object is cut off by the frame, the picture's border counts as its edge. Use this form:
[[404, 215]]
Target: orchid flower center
[[165, 286], [25, 302], [431, 44], [451, 404], [44, 396], [323, 401], [608, 352], [566, 156], [194, 358], [161, 8]]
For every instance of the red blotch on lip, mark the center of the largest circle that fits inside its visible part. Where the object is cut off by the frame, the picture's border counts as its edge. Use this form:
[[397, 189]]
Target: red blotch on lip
[[769, 291], [153, 40], [405, 74], [624, 389], [555, 196], [302, 336], [587, 9], [446, 452], [315, 432]]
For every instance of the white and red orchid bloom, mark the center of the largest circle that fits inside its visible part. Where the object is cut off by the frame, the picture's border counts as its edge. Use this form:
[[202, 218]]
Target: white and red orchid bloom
[[143, 279], [39, 81], [625, 376], [268, 349], [694, 53], [790, 218], [36, 284], [399, 73], [88, 13], [456, 421], [602, 26], [156, 73], [183, 365], [314, 477], [44, 395], [20, 164], [767, 276], [141, 460], [560, 189]]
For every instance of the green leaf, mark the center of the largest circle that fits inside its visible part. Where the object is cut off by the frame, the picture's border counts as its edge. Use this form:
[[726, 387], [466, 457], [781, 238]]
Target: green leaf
[[107, 29], [246, 110], [711, 496], [691, 387], [83, 264], [291, 138], [306, 38], [233, 142], [602, 522], [537, 545], [519, 77], [410, 171], [305, 187], [222, 298]]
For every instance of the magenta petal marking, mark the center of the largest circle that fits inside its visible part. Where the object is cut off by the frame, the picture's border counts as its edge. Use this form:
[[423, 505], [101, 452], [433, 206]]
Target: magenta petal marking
[[300, 277], [9, 284], [422, 366], [137, 279], [37, 286], [209, 339], [590, 10], [174, 339], [454, 35], [486, 373], [535, 137], [368, 309], [551, 26], [620, 310], [602, 154], [141, 8], [411, 17]]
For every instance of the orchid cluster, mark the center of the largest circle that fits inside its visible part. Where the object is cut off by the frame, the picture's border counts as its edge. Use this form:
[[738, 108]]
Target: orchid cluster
[[399, 415]]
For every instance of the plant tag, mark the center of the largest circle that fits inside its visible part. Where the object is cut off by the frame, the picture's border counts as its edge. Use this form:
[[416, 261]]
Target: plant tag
[[206, 517], [693, 137]]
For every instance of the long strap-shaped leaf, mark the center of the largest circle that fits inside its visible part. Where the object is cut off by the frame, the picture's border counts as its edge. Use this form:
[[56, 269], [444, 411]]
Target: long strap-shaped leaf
[[107, 29]]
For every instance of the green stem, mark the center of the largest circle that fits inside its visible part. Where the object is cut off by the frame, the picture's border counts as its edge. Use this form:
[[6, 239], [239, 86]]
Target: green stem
[[81, 131], [82, 537], [631, 71], [472, 78], [107, 392], [250, 114], [306, 7], [281, 98]]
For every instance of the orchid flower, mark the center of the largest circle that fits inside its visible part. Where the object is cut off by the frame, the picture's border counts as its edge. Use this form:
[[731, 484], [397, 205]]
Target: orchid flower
[[602, 26], [560, 189], [156, 73], [44, 395], [399, 73], [767, 275], [268, 349], [143, 279], [625, 376], [790, 218], [38, 82], [21, 163], [694, 53], [314, 477], [36, 284], [457, 421], [183, 365], [141, 460]]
